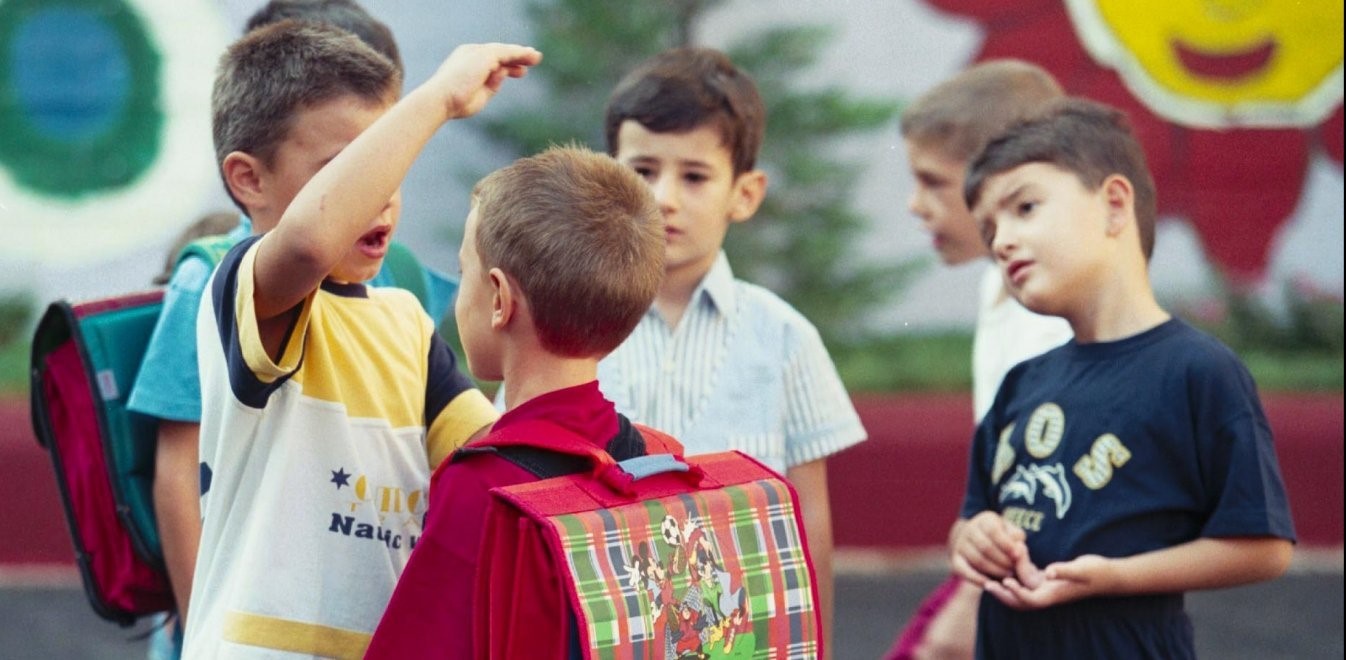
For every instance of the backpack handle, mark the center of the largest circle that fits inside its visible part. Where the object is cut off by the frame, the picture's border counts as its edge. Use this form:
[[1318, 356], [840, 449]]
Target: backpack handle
[[648, 465], [621, 477]]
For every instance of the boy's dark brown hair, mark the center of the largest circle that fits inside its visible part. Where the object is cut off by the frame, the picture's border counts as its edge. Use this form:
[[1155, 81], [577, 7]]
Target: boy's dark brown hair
[[582, 236], [960, 115], [272, 73], [1091, 140], [344, 14], [683, 89]]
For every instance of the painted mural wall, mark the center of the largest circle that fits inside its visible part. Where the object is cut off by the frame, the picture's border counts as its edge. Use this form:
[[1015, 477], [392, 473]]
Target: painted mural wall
[[104, 116], [105, 149], [1231, 98]]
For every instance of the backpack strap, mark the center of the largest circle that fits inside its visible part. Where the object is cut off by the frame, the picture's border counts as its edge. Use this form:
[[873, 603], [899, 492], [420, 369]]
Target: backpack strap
[[211, 249], [546, 449], [407, 272], [658, 442]]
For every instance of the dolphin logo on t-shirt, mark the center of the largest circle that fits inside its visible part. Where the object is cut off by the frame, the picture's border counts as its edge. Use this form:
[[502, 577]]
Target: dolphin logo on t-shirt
[[1028, 481]]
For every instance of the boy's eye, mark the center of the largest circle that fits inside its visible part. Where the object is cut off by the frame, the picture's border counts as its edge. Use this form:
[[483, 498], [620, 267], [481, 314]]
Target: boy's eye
[[646, 173], [931, 181], [695, 177], [1025, 207]]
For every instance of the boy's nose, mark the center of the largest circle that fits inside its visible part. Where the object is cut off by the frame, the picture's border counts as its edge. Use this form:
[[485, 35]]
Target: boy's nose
[[916, 204], [1002, 244], [666, 193], [394, 202]]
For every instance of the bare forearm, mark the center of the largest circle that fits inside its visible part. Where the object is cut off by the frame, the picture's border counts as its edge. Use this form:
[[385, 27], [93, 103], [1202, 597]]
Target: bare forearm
[[337, 205], [177, 505], [820, 543], [810, 482], [1206, 563]]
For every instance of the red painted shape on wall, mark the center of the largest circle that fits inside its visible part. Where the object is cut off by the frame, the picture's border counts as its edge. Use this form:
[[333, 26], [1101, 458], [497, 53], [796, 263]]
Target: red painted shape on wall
[[1236, 187]]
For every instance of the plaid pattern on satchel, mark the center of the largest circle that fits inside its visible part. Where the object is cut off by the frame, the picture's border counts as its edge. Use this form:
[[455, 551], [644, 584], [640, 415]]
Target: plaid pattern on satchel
[[660, 557]]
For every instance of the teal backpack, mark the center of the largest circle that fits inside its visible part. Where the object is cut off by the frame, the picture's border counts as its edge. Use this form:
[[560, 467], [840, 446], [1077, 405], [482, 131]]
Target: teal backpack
[[84, 362]]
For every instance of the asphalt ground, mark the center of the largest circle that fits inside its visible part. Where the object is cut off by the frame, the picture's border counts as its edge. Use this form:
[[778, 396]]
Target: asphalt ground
[[44, 614]]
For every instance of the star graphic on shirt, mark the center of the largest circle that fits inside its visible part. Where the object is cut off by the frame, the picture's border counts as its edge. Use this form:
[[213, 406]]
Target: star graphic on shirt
[[340, 478]]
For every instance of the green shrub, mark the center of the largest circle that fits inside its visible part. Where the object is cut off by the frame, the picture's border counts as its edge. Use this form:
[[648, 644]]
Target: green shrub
[[14, 368], [1299, 350], [940, 362], [16, 311]]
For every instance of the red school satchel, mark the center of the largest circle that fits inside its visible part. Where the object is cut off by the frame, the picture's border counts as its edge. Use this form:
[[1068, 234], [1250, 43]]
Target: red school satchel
[[655, 557], [85, 359]]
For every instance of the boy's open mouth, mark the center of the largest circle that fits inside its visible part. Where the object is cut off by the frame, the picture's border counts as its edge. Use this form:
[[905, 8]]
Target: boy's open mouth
[[374, 244]]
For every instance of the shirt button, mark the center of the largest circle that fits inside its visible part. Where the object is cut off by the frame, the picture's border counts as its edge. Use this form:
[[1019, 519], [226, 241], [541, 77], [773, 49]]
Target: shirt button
[[668, 367]]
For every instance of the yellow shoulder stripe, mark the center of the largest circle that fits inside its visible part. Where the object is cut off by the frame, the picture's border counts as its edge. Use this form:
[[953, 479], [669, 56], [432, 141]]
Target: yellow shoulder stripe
[[466, 414], [294, 636]]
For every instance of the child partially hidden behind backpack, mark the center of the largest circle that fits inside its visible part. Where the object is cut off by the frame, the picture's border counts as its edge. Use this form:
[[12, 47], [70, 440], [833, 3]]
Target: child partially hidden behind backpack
[[719, 362]]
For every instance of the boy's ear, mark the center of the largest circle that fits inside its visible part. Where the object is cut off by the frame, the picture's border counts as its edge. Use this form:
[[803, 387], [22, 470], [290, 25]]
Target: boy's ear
[[749, 191], [243, 174], [1119, 198], [503, 299]]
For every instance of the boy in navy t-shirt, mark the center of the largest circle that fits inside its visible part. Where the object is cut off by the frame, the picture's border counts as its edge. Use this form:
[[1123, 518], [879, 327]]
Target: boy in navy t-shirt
[[1132, 464]]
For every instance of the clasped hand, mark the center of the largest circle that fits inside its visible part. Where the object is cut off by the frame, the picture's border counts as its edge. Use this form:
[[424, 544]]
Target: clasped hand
[[993, 554]]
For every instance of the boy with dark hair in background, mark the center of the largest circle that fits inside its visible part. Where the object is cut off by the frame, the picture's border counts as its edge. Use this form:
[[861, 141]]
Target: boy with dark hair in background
[[324, 401], [1128, 466], [717, 362]]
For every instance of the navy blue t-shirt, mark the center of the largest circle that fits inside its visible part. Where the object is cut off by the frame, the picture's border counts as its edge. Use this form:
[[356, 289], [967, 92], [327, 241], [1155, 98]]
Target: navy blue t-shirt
[[1119, 448]]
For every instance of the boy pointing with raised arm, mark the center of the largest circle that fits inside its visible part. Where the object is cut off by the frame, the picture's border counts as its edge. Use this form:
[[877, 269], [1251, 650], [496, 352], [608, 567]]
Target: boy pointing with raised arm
[[324, 400]]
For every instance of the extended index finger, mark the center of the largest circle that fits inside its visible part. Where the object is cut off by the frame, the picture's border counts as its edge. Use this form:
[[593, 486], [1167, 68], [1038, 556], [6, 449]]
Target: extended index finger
[[514, 55]]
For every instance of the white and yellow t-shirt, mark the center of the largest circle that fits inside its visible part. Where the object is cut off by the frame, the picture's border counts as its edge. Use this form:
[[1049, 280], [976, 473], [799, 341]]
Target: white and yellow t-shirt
[[314, 467]]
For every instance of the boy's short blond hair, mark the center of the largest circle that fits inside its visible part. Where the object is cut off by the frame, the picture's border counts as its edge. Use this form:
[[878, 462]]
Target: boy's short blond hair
[[1091, 140], [272, 73], [582, 236], [960, 115]]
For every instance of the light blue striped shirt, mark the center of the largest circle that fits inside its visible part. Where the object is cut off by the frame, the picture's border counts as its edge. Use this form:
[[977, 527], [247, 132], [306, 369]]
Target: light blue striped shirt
[[742, 370]]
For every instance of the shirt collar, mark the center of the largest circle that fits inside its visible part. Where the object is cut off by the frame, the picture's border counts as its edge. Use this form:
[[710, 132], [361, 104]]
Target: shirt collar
[[580, 408], [718, 286], [244, 225]]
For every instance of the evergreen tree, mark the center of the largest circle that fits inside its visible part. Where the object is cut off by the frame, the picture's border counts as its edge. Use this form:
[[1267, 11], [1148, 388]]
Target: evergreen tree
[[802, 243]]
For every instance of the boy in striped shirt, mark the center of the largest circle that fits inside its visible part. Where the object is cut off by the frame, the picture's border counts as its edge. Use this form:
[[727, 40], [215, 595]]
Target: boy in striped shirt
[[717, 362]]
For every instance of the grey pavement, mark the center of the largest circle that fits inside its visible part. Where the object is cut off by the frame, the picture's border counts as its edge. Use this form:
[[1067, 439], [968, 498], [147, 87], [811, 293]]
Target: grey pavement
[[1298, 616]]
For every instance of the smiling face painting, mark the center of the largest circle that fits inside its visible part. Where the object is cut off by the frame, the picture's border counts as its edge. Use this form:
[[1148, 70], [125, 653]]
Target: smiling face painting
[[1221, 62]]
